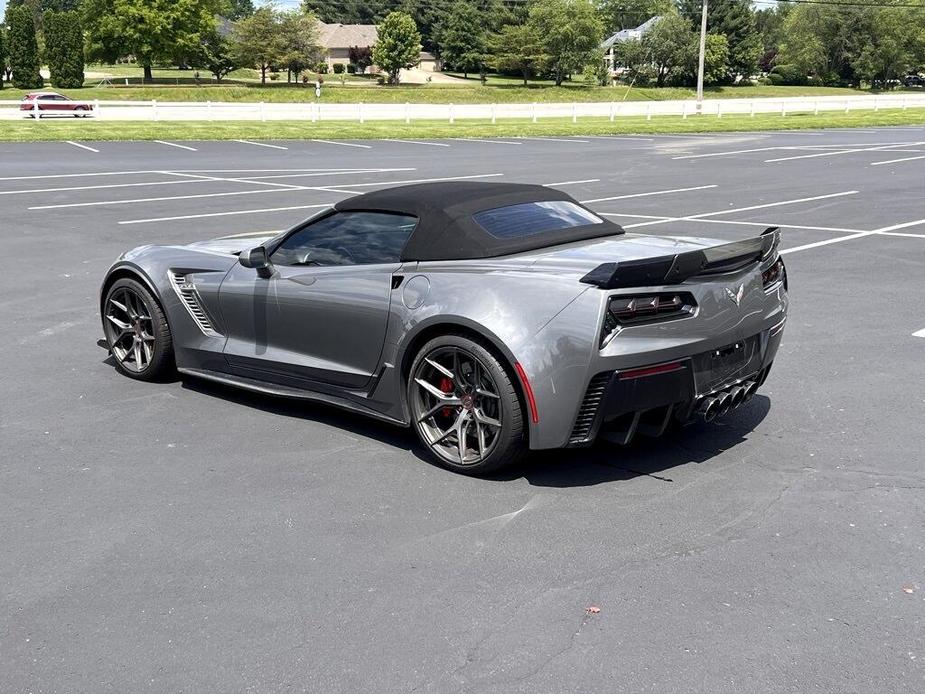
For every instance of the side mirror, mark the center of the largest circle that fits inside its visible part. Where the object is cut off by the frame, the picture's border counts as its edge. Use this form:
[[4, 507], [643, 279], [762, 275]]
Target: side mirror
[[257, 259]]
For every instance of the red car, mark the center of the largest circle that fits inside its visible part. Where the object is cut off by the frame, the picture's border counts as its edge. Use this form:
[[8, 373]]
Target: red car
[[56, 103]]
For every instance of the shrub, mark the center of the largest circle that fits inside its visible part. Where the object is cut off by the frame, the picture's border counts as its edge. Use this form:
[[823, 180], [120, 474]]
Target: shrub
[[338, 68], [64, 49], [351, 69], [789, 74], [23, 48]]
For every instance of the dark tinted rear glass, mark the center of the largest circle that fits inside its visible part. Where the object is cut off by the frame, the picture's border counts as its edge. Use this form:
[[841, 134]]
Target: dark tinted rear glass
[[529, 218]]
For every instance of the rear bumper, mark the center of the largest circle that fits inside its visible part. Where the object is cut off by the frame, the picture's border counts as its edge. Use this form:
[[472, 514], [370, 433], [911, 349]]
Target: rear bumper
[[620, 404]]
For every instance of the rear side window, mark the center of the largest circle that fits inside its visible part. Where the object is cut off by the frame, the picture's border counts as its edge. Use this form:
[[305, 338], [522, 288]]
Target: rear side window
[[529, 218], [347, 238]]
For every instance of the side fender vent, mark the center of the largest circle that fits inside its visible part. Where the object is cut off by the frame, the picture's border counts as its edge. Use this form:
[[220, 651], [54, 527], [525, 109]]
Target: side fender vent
[[587, 413], [189, 297]]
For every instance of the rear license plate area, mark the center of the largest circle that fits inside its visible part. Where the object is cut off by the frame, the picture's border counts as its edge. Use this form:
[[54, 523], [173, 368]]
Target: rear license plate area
[[725, 365]]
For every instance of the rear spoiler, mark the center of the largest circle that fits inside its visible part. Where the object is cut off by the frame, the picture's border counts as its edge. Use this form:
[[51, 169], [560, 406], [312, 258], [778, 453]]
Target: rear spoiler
[[673, 269]]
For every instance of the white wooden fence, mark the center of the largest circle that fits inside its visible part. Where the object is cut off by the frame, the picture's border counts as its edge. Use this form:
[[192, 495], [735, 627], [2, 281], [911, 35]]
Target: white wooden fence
[[318, 111]]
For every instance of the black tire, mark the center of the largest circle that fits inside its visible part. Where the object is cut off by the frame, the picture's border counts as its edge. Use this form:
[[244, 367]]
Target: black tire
[[493, 447], [152, 359]]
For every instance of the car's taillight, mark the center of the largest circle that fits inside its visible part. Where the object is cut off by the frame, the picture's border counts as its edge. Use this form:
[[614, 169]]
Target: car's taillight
[[645, 308], [775, 274]]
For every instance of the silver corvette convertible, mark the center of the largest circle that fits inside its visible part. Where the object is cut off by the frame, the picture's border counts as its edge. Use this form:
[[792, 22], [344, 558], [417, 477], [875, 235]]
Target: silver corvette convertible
[[492, 318]]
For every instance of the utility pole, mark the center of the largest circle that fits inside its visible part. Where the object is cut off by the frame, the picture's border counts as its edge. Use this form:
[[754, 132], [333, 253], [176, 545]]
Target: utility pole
[[700, 58]]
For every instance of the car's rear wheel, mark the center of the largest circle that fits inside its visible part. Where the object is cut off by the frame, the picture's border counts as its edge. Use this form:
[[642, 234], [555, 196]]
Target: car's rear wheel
[[464, 406], [136, 331]]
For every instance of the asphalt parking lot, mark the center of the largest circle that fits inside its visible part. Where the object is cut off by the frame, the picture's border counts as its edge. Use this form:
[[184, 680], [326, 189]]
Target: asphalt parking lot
[[187, 537]]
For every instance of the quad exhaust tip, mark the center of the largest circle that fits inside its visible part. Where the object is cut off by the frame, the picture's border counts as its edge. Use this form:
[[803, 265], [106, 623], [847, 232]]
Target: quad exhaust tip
[[709, 408], [721, 403]]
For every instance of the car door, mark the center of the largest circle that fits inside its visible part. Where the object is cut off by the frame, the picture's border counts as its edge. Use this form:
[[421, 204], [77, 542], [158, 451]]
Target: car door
[[321, 316], [52, 102]]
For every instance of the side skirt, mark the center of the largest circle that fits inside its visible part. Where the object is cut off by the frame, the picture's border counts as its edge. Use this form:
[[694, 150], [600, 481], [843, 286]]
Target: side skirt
[[265, 388]]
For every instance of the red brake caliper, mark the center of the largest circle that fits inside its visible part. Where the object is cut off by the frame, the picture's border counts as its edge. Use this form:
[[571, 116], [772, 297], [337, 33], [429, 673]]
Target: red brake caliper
[[446, 385]]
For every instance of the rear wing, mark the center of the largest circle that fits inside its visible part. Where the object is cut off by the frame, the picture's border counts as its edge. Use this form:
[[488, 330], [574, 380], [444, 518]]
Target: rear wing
[[674, 269]]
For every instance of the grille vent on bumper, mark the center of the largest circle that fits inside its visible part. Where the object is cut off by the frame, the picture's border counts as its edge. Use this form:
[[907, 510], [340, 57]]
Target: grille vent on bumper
[[186, 290], [587, 413]]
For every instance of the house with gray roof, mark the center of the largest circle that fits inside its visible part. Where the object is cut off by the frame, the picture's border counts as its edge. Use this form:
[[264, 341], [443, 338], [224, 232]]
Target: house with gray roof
[[338, 39]]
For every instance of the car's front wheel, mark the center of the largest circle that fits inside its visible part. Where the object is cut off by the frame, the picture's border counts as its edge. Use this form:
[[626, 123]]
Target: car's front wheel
[[136, 331], [464, 406]]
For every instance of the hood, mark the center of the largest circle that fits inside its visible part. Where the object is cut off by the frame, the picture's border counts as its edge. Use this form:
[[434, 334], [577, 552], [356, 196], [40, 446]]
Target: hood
[[232, 245]]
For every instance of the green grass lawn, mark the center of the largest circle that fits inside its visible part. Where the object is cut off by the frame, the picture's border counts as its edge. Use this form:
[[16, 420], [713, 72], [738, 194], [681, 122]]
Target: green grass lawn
[[21, 131], [333, 92]]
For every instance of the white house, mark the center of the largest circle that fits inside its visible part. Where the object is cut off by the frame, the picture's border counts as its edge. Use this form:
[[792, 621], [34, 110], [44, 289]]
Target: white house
[[625, 35]]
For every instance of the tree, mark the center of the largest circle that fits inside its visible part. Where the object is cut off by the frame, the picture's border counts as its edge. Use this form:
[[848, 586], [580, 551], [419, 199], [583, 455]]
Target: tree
[[64, 49], [23, 48], [634, 56], [429, 17], [715, 59], [846, 43], [464, 39], [239, 9], [60, 5], [215, 54], [514, 48], [257, 40], [150, 30], [595, 73], [629, 14], [361, 56], [669, 45], [894, 47], [735, 20], [300, 48], [568, 33], [347, 11], [2, 54], [399, 45]]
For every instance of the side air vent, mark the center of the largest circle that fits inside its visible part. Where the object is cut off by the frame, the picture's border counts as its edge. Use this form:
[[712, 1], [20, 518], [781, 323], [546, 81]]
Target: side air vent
[[186, 290], [587, 413]]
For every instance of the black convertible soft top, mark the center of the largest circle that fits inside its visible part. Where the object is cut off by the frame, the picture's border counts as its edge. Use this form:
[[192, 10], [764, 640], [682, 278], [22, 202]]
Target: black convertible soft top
[[446, 229]]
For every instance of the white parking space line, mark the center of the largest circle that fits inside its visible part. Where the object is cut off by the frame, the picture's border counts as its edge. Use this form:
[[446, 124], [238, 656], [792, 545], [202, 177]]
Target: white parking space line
[[919, 333], [190, 178], [840, 239], [491, 142], [801, 227], [418, 142], [896, 161], [572, 183], [157, 171], [844, 151], [135, 201], [174, 144], [260, 144], [254, 179], [276, 188], [620, 137], [552, 139], [752, 207], [225, 179], [224, 214], [643, 195], [416, 180], [904, 235], [77, 144], [98, 187], [726, 154], [343, 144]]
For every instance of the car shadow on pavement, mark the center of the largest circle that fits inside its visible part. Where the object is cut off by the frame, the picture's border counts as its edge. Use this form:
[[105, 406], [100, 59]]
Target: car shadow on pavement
[[645, 456], [576, 467]]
